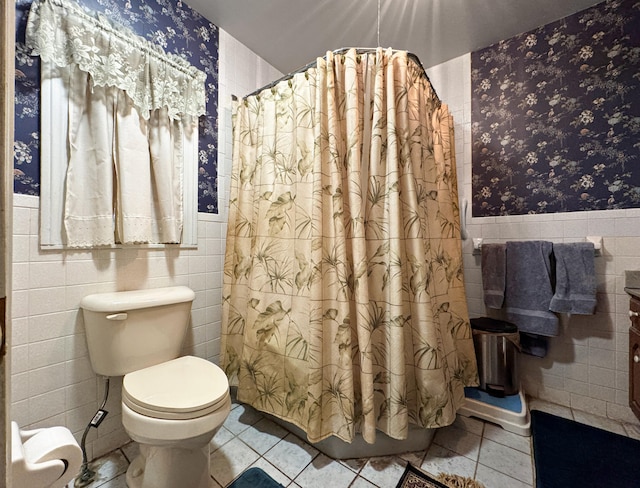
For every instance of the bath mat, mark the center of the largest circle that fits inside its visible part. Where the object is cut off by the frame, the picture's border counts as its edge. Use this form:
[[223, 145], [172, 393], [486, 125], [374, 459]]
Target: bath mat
[[255, 478], [414, 478], [569, 454]]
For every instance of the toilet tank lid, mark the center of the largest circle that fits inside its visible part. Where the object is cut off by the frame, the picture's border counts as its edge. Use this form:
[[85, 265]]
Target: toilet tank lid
[[131, 300]]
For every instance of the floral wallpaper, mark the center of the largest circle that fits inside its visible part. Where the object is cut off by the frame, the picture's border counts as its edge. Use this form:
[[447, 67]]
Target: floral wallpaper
[[556, 116], [171, 24]]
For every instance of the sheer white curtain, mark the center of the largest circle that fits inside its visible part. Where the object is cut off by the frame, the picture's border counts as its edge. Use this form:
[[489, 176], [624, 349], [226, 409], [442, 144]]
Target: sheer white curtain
[[130, 109], [120, 164]]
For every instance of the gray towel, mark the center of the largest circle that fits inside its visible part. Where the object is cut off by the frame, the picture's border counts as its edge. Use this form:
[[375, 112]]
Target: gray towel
[[534, 345], [528, 289], [575, 279], [493, 274]]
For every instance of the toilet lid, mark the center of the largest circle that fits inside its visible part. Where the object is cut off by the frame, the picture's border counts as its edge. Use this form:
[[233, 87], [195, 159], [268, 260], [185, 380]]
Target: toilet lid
[[183, 388]]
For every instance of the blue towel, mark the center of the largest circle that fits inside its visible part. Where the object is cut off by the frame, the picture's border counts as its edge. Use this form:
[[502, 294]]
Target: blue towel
[[528, 289], [575, 279]]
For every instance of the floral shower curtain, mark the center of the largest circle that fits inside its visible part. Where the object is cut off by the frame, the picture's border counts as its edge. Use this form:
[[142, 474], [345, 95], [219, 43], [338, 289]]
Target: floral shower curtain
[[344, 308]]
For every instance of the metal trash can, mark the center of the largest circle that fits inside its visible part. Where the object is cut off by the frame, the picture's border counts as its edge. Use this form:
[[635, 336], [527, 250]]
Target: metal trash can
[[497, 344]]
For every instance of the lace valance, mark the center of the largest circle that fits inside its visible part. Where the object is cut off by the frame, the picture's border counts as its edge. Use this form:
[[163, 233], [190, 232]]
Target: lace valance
[[61, 32]]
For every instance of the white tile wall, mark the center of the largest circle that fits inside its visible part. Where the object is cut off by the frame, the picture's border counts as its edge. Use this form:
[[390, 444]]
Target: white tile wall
[[587, 365], [52, 379]]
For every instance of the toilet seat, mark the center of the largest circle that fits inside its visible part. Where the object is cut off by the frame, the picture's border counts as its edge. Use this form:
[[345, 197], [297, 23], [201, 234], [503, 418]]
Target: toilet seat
[[184, 388]]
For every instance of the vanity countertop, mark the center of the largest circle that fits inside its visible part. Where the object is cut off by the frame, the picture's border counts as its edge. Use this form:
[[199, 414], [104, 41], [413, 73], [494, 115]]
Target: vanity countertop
[[634, 292]]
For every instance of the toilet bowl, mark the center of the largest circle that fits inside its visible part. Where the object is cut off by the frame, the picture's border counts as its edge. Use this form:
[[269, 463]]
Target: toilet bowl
[[173, 410], [172, 406]]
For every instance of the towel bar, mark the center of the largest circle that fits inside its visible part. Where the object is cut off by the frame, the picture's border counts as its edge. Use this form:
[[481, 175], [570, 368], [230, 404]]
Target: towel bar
[[596, 240]]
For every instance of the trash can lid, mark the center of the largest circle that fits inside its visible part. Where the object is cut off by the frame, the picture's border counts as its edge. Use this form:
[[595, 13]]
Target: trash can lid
[[487, 324]]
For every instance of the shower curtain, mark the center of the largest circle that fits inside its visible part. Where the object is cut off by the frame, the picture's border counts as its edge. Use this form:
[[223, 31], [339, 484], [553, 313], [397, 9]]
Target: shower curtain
[[344, 308]]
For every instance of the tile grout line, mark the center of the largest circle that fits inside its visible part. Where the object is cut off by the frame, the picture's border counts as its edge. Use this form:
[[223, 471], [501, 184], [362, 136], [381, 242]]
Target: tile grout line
[[482, 432]]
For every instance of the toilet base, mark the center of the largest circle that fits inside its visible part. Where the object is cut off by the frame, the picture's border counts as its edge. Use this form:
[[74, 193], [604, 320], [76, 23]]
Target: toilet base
[[169, 467]]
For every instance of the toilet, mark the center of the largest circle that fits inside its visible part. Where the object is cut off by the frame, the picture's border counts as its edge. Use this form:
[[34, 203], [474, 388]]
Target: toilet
[[172, 406]]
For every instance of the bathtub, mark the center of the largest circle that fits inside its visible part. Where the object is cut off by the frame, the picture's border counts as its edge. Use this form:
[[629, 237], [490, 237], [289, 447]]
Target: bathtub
[[418, 439]]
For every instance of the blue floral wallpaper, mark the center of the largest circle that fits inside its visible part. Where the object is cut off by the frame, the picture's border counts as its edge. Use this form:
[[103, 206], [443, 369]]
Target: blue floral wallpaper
[[171, 24], [556, 116]]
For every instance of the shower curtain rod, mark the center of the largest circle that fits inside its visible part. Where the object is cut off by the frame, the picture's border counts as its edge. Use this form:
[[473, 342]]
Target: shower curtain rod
[[359, 50]]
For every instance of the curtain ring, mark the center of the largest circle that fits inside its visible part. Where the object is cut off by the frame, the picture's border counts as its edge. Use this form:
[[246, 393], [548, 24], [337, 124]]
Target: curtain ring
[[290, 83]]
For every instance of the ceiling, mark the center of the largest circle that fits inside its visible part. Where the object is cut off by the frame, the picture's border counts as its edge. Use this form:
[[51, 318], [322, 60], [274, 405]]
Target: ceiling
[[291, 33]]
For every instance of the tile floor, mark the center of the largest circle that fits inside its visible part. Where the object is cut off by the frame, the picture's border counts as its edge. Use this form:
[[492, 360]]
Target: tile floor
[[469, 447]]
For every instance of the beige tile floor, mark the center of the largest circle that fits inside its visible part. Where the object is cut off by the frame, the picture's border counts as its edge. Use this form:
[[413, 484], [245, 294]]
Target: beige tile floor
[[469, 447]]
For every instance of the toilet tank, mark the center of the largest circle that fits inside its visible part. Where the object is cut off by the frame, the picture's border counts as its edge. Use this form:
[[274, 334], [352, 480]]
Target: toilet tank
[[130, 330]]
